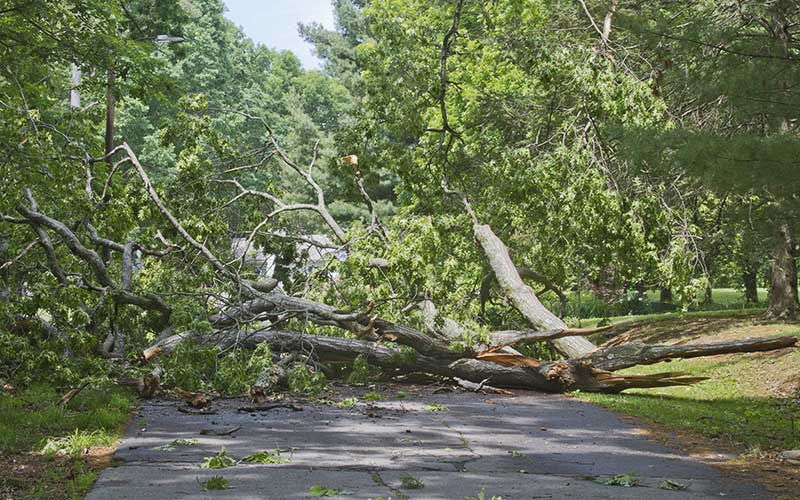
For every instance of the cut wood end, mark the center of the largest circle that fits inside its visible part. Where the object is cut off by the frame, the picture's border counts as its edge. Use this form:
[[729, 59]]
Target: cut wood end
[[351, 160], [150, 353]]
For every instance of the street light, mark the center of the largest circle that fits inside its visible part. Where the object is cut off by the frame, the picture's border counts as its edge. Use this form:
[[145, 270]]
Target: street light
[[77, 77], [167, 38]]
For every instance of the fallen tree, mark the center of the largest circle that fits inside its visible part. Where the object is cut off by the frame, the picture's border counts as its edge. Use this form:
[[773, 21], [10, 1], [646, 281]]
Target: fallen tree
[[396, 347]]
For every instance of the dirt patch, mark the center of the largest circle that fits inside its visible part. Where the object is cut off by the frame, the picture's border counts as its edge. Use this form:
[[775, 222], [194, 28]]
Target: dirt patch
[[18, 471], [21, 473]]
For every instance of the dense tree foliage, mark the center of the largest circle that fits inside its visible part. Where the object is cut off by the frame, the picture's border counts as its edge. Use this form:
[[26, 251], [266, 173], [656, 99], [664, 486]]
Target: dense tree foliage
[[615, 148]]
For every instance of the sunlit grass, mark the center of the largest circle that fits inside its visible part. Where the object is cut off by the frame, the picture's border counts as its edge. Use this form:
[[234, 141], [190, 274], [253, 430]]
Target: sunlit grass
[[33, 421], [33, 418], [657, 317], [593, 310], [737, 403]]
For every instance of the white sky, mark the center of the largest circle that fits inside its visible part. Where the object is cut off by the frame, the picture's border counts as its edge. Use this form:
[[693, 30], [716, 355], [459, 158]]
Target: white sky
[[274, 23]]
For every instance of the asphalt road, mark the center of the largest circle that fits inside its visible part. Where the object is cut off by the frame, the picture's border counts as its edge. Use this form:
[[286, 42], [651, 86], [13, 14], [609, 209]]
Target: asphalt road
[[527, 446]]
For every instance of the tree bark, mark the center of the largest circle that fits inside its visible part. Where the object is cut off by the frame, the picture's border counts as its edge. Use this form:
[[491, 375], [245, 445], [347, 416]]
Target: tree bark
[[750, 281], [637, 353], [665, 295], [709, 296], [783, 292], [5, 261], [557, 376], [523, 297]]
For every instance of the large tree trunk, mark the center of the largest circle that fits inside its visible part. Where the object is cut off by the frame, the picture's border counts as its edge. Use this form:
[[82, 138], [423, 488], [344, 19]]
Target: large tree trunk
[[709, 296], [783, 293], [665, 295], [557, 376], [523, 297], [636, 353]]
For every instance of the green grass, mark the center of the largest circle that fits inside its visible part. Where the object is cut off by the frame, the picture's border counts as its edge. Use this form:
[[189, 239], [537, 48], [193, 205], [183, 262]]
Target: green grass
[[734, 405], [658, 317], [34, 422], [721, 298], [588, 307], [33, 418], [77, 442], [71, 481]]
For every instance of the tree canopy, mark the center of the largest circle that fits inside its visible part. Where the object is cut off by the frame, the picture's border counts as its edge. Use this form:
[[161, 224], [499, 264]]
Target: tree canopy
[[456, 174]]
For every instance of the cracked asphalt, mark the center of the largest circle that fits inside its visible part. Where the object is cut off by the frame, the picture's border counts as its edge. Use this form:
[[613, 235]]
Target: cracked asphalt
[[526, 446]]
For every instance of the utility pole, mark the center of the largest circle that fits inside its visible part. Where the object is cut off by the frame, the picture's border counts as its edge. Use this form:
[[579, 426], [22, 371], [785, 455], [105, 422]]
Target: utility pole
[[110, 105], [111, 99]]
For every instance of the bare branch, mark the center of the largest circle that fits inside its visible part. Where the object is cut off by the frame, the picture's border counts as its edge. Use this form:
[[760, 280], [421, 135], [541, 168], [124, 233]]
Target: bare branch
[[375, 223]]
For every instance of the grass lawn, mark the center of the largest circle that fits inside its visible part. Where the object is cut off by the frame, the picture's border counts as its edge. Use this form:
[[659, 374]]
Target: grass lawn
[[751, 400], [51, 452], [586, 306], [668, 316]]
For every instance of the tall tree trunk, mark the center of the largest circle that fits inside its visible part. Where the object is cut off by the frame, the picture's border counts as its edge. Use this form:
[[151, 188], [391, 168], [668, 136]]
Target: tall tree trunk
[[750, 280], [665, 295], [783, 292], [523, 297]]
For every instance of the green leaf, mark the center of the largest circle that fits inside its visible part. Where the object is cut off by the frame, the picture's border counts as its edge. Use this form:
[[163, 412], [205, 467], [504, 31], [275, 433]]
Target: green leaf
[[216, 483], [669, 484], [319, 490]]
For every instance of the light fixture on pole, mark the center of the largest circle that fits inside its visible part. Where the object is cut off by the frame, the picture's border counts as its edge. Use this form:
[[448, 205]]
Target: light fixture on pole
[[76, 78], [168, 38]]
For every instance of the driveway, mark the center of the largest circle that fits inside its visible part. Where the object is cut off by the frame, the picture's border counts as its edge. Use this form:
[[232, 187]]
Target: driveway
[[456, 444]]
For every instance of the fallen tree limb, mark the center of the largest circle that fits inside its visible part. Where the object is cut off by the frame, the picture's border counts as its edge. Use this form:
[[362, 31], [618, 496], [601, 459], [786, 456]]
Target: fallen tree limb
[[627, 355], [70, 395], [213, 432], [362, 324], [482, 387], [167, 344], [556, 376], [196, 412], [253, 409]]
